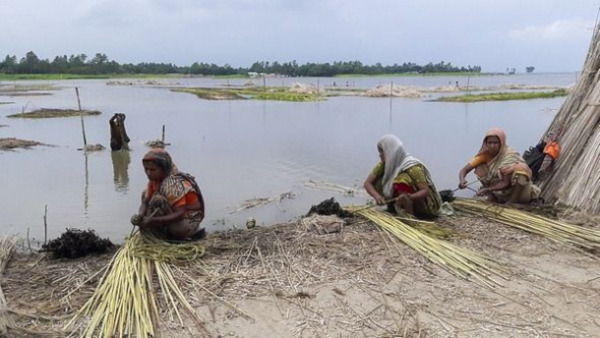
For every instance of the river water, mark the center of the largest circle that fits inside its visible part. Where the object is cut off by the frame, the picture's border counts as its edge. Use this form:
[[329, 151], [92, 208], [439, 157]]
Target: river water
[[239, 150]]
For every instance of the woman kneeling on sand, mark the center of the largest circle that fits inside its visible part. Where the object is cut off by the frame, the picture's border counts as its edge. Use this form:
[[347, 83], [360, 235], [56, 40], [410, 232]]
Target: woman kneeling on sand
[[504, 175], [172, 204], [402, 181]]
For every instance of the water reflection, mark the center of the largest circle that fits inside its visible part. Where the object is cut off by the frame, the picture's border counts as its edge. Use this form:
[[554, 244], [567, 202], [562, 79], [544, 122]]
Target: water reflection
[[86, 188], [120, 161]]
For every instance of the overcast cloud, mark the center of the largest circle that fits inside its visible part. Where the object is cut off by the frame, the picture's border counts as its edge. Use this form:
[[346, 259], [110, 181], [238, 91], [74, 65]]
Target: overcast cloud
[[551, 35]]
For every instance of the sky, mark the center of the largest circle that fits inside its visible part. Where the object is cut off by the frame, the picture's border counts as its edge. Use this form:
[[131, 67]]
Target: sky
[[550, 35]]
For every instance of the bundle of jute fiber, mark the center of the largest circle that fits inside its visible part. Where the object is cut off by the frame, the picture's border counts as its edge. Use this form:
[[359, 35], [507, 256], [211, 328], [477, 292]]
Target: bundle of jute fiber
[[553, 229], [455, 259], [7, 247], [575, 180], [125, 303]]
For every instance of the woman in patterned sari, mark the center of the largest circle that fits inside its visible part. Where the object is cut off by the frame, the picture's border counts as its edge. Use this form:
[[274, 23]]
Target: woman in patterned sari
[[503, 173], [402, 181], [172, 204]]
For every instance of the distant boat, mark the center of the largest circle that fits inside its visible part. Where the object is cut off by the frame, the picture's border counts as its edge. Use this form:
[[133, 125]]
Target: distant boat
[[529, 69]]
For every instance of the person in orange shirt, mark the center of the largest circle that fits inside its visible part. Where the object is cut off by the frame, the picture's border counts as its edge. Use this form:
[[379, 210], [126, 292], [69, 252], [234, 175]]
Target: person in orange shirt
[[503, 173], [552, 150], [172, 204]]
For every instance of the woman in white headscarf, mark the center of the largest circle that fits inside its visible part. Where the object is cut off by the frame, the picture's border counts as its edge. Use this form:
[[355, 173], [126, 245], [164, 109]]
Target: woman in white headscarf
[[402, 181]]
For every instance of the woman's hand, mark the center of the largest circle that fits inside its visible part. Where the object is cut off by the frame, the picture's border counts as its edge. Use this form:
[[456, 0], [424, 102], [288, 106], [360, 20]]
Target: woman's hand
[[380, 200], [462, 184], [484, 191], [136, 219]]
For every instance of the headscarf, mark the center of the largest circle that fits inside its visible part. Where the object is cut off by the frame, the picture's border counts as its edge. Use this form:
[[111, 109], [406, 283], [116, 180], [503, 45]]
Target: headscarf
[[396, 161], [174, 185], [160, 158], [506, 161]]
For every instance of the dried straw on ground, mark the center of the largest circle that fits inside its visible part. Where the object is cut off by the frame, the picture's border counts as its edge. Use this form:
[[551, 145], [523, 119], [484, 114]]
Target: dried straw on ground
[[457, 260], [298, 280], [575, 181], [555, 230]]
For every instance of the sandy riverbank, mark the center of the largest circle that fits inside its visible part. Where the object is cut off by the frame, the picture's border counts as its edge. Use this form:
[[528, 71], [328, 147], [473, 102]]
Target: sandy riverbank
[[297, 280]]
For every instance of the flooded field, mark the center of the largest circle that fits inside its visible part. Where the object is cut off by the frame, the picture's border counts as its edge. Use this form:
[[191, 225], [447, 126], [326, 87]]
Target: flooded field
[[290, 155]]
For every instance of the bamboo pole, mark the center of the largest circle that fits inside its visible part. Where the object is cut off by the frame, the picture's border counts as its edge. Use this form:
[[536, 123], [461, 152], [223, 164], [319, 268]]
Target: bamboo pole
[[81, 115]]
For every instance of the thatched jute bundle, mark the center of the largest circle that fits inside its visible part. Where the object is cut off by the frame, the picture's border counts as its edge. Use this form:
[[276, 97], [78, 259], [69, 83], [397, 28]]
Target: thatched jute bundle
[[459, 261], [125, 302], [575, 181], [7, 246]]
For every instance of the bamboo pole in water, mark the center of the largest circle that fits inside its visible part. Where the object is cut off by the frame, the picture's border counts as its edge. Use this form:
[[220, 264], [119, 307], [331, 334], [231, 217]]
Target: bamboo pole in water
[[81, 115]]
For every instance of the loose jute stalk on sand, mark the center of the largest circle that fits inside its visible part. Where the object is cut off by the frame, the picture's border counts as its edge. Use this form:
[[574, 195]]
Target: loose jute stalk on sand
[[553, 229], [455, 259], [124, 303]]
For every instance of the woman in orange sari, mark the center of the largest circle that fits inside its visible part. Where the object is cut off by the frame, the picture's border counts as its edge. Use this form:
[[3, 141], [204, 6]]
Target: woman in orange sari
[[504, 175], [172, 204]]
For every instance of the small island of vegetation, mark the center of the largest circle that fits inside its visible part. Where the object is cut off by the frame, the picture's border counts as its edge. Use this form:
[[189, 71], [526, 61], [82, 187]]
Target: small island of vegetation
[[504, 96], [51, 113]]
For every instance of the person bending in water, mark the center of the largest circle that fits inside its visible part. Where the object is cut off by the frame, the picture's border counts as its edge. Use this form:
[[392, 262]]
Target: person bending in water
[[404, 179], [172, 204], [118, 135]]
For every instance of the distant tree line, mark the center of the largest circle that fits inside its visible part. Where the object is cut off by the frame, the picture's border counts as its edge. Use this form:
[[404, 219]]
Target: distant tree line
[[100, 65]]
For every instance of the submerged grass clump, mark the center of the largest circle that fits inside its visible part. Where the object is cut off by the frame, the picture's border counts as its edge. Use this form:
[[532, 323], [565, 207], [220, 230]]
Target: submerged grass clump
[[50, 113], [504, 96], [257, 93], [287, 96]]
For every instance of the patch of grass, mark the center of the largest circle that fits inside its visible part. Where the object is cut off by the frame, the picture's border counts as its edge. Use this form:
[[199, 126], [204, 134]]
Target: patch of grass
[[413, 74], [13, 143], [503, 96], [27, 88], [258, 93], [212, 93], [51, 113], [288, 96]]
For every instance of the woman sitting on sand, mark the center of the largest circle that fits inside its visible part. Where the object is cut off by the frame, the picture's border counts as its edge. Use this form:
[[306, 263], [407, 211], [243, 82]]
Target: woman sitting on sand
[[402, 181], [172, 204], [504, 175]]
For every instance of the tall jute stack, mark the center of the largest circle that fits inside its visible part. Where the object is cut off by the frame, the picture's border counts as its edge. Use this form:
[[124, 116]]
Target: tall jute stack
[[575, 181]]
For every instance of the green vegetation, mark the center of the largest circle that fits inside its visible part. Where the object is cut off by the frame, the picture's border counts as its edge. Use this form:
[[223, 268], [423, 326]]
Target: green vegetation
[[258, 93], [50, 113], [411, 74], [503, 96], [19, 88], [13, 77], [78, 66], [287, 96]]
